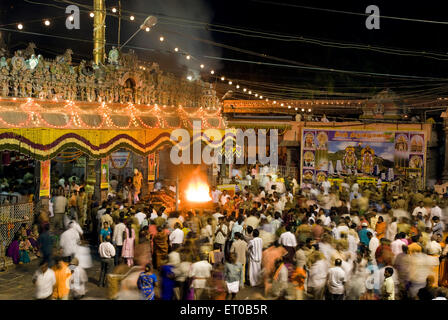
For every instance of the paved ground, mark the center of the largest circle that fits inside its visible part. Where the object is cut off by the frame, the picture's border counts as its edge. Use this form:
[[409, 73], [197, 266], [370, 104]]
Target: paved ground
[[16, 284]]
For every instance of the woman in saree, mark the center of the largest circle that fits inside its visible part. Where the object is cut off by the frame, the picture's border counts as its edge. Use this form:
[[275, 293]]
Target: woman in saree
[[147, 283], [381, 227]]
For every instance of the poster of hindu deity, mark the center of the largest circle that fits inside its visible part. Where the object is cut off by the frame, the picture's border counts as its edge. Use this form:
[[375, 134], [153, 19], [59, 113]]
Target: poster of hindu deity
[[309, 159], [44, 190], [104, 173], [417, 143], [308, 175], [364, 153], [320, 176], [309, 142]]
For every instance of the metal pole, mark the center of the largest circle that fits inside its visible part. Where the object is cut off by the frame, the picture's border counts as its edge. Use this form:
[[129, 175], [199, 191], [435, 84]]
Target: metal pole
[[124, 44], [119, 22], [177, 190]]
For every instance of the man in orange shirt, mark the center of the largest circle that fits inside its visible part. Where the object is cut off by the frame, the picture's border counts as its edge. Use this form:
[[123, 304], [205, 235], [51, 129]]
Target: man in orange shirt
[[62, 273], [298, 278], [414, 247]]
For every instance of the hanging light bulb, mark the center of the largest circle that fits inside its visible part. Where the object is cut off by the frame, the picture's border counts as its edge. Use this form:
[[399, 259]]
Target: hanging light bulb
[[275, 102], [237, 86], [176, 49], [289, 107], [188, 57], [230, 82], [297, 108], [244, 89], [281, 104], [256, 94], [222, 78], [132, 18], [202, 66], [190, 78], [20, 26], [114, 10], [91, 14], [212, 72], [250, 92], [309, 110], [147, 29], [47, 22], [162, 38], [267, 99]]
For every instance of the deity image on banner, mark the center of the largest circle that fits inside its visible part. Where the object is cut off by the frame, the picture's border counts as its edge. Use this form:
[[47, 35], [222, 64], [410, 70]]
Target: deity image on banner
[[367, 162], [417, 143], [309, 141], [308, 175], [401, 155], [308, 159], [320, 176], [416, 161], [349, 159], [322, 139], [401, 143]]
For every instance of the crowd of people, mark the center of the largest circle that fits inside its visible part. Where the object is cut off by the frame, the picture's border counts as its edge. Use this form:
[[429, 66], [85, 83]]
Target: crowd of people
[[320, 241]]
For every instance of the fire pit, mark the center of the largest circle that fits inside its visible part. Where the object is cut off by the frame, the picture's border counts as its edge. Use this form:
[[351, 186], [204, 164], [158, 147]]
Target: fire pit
[[197, 195]]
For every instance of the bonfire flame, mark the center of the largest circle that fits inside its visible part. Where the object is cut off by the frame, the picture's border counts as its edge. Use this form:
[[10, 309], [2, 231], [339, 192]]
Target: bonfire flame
[[198, 191]]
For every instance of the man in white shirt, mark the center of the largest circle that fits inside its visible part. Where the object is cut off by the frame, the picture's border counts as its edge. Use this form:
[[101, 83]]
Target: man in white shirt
[[216, 194], [436, 211], [397, 245], [388, 289], [44, 279], [221, 233], [176, 237], [421, 209], [140, 217], [224, 198], [336, 281], [117, 239], [78, 280], [289, 241], [59, 207], [69, 241], [317, 277], [277, 222], [374, 243], [342, 227], [200, 271], [107, 254]]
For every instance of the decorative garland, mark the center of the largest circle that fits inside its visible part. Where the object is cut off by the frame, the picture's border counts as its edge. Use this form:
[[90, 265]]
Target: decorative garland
[[73, 112]]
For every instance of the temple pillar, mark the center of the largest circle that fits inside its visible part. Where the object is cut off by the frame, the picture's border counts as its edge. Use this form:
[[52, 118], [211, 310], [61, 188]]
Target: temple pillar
[[99, 31], [444, 115]]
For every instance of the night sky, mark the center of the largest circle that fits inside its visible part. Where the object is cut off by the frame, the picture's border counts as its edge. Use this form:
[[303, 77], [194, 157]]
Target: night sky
[[180, 22]]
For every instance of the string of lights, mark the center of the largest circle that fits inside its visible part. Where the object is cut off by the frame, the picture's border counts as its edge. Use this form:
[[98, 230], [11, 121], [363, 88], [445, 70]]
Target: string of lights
[[249, 91]]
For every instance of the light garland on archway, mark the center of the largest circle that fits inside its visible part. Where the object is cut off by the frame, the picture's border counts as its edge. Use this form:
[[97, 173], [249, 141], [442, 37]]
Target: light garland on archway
[[73, 115]]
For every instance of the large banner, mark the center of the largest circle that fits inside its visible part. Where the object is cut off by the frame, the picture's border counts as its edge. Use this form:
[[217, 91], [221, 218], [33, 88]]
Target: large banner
[[367, 154], [44, 190]]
